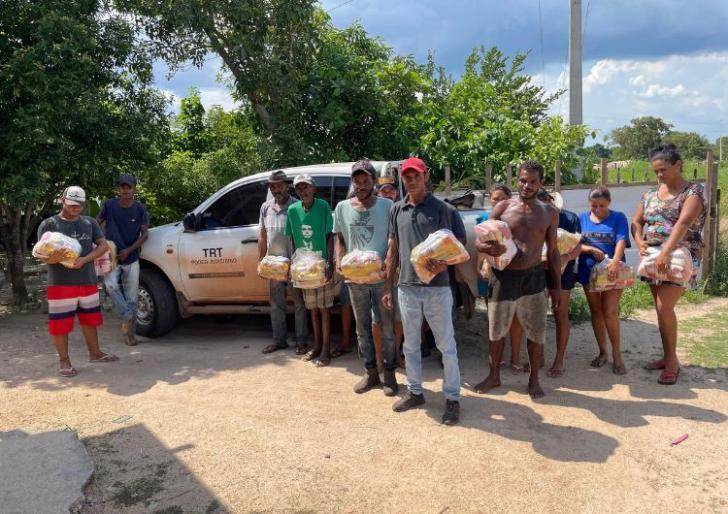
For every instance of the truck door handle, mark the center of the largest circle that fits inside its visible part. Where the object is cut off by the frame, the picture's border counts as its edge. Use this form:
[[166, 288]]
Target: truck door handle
[[248, 241]]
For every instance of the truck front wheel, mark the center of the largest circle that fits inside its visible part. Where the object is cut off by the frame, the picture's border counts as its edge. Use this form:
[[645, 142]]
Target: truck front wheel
[[157, 312]]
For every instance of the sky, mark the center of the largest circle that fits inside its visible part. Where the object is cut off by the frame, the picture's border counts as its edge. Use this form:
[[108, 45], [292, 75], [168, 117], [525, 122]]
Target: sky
[[664, 58]]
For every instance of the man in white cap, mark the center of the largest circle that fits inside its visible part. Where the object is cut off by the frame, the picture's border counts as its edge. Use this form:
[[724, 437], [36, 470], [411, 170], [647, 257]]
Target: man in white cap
[[309, 226], [72, 290], [273, 241]]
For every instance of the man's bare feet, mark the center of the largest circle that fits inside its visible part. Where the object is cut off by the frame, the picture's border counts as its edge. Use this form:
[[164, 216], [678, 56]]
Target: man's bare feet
[[491, 382], [534, 390], [323, 360], [313, 354]]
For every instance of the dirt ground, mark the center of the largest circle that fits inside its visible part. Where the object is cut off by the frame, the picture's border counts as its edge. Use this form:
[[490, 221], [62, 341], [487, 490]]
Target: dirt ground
[[200, 422]]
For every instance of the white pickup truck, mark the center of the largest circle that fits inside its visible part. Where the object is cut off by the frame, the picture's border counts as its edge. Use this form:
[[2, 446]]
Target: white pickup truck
[[206, 263]]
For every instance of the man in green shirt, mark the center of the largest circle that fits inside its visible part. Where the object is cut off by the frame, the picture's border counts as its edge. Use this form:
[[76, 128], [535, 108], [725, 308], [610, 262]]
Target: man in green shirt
[[309, 226]]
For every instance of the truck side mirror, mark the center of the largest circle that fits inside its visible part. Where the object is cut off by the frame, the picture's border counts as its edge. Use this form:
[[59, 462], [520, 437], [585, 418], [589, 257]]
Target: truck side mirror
[[189, 222]]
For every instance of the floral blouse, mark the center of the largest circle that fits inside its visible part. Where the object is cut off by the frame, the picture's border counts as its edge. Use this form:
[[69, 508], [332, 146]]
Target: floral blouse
[[661, 216]]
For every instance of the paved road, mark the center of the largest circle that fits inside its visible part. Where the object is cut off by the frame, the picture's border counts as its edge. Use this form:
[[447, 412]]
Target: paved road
[[624, 199]]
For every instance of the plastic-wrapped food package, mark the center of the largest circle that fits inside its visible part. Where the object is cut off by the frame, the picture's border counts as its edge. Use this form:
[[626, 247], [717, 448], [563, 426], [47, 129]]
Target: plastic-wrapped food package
[[274, 267], [107, 262], [51, 242], [486, 271], [362, 267], [441, 245], [496, 230], [599, 278], [680, 270], [566, 242], [308, 269]]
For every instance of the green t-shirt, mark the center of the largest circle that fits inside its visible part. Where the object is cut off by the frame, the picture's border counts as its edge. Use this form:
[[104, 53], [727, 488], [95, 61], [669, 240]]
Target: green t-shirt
[[310, 228]]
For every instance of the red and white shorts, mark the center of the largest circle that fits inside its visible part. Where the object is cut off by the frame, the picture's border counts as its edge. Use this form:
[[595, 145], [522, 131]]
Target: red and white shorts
[[65, 301]]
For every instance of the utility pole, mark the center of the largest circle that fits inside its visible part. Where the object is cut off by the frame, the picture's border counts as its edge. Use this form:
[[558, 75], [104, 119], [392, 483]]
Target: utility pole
[[575, 97]]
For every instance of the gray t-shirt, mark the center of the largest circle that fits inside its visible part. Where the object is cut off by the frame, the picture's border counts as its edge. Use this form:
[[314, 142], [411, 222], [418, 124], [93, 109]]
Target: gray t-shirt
[[86, 231], [364, 230], [410, 225], [273, 219]]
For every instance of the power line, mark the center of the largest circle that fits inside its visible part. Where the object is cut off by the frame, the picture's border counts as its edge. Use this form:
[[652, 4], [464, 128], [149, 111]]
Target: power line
[[342, 4]]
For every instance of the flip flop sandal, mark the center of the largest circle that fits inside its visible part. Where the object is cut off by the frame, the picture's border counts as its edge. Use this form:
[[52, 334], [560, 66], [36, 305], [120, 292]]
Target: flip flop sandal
[[556, 373], [668, 377], [109, 357], [302, 349], [273, 348], [598, 362], [311, 356], [68, 372], [619, 370], [652, 366]]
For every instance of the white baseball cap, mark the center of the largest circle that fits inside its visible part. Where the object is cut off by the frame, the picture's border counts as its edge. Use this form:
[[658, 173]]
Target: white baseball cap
[[74, 195], [303, 179]]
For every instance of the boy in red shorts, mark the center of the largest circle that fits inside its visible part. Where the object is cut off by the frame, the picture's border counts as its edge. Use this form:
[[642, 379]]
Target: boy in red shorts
[[73, 290]]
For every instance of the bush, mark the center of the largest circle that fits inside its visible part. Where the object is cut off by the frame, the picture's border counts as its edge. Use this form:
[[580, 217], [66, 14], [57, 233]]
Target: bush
[[717, 283], [578, 306]]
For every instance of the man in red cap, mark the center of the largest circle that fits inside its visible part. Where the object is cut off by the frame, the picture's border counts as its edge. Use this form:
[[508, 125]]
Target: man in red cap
[[411, 221]]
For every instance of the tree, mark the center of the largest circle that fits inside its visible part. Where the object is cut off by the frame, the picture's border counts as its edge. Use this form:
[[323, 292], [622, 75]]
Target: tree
[[634, 141], [597, 150], [492, 113], [192, 134], [75, 106], [691, 145], [317, 92]]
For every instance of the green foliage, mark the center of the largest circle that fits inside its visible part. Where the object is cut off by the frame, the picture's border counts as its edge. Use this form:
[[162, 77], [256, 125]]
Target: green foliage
[[192, 134], [717, 283], [634, 141], [492, 113], [578, 306], [690, 144], [76, 106]]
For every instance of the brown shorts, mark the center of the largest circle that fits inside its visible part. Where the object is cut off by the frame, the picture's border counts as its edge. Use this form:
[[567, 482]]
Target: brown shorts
[[521, 293], [320, 298]]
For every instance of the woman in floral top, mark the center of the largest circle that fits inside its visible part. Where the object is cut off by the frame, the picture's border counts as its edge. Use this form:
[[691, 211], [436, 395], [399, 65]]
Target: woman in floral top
[[670, 215]]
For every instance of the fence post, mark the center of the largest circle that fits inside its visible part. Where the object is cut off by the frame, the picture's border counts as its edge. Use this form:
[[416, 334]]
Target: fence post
[[447, 180], [647, 172], [619, 175], [557, 175], [633, 173], [488, 177], [509, 175], [604, 172], [695, 173], [711, 184]]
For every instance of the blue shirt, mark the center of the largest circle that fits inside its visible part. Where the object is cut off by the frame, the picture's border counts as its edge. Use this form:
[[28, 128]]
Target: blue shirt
[[604, 236], [123, 225]]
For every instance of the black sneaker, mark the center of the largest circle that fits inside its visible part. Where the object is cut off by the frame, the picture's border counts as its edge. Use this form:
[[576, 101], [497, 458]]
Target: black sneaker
[[452, 412], [410, 401]]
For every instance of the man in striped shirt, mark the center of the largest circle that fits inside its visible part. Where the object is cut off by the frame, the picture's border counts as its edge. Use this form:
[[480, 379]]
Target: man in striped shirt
[[72, 289]]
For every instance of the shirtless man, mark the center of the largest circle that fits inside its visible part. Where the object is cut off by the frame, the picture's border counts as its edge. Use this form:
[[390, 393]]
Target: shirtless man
[[519, 289]]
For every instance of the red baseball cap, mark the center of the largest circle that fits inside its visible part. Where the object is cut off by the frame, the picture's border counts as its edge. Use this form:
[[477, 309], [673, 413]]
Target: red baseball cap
[[413, 163]]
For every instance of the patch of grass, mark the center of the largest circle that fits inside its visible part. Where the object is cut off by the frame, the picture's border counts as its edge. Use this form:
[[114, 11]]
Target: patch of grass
[[578, 306], [704, 339], [634, 298]]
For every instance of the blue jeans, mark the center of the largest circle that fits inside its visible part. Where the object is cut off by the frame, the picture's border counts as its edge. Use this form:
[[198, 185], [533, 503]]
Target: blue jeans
[[366, 301], [122, 284], [278, 313], [435, 304]]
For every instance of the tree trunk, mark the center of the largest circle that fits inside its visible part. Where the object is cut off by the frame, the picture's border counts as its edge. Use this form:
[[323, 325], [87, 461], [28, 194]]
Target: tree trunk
[[16, 269], [12, 233]]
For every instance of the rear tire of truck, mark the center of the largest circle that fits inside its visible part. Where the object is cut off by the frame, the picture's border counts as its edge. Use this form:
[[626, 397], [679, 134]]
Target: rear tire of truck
[[158, 312]]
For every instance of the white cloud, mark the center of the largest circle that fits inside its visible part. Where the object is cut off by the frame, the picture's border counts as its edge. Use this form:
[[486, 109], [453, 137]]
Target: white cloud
[[217, 96], [685, 90]]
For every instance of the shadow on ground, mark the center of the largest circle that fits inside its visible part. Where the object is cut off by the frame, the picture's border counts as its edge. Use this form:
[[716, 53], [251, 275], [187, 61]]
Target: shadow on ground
[[135, 472]]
